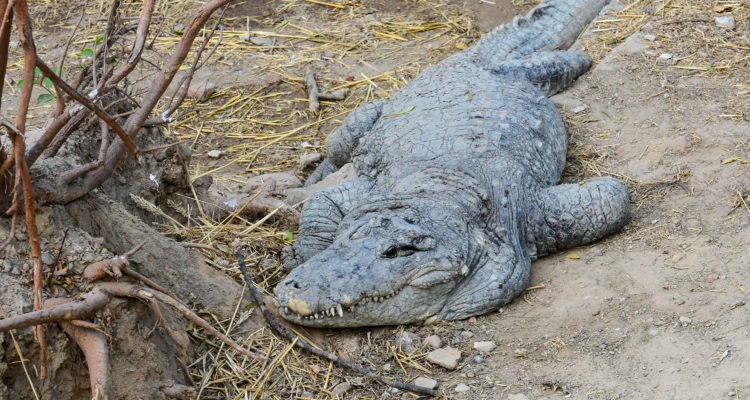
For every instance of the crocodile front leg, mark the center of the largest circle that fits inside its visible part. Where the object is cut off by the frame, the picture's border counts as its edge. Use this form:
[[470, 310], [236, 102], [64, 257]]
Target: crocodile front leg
[[571, 215], [320, 219], [344, 139]]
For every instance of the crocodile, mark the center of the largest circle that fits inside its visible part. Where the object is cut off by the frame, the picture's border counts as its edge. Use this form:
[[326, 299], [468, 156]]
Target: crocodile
[[457, 187]]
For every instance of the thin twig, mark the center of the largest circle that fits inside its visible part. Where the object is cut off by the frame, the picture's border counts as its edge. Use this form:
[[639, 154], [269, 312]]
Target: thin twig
[[23, 365], [282, 331]]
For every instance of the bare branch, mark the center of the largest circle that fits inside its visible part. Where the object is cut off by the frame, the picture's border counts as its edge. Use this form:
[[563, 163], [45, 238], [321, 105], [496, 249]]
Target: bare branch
[[88, 104]]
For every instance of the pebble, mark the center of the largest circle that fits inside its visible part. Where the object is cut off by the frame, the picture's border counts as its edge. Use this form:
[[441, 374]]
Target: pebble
[[517, 396], [47, 258], [433, 341], [649, 37], [341, 388], [15, 271], [579, 108], [387, 367], [677, 257], [408, 341], [215, 153], [461, 388], [308, 159], [425, 382], [478, 359], [484, 346], [273, 79], [7, 265], [725, 21], [665, 56], [685, 320], [467, 334], [201, 89], [446, 357]]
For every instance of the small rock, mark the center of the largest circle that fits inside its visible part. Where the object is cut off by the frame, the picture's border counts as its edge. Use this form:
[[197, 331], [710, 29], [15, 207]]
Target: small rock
[[15, 271], [341, 388], [446, 357], [649, 37], [215, 153], [726, 22], [425, 382], [274, 182], [7, 265], [461, 388], [484, 346], [467, 334], [517, 396], [472, 321], [273, 79], [579, 108], [666, 56], [677, 257], [308, 159], [201, 90], [408, 341], [433, 341], [47, 258], [685, 320], [387, 367], [261, 41], [478, 359]]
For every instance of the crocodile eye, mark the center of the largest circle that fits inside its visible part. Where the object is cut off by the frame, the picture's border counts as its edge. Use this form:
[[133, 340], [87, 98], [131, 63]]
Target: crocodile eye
[[399, 251]]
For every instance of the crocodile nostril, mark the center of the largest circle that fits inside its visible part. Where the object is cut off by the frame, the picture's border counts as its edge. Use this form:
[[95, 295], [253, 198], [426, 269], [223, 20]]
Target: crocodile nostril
[[294, 284]]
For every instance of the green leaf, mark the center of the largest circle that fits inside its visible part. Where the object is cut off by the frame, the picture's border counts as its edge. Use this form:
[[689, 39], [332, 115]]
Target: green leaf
[[47, 82], [99, 39], [402, 112], [37, 71], [87, 53], [287, 235], [44, 98], [19, 84]]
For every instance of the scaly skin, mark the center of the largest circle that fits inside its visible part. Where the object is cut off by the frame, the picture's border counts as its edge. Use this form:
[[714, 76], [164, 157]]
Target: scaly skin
[[456, 191]]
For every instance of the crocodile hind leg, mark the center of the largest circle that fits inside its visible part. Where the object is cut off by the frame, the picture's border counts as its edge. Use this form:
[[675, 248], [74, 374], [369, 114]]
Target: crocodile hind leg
[[320, 219], [550, 71], [344, 139], [571, 215]]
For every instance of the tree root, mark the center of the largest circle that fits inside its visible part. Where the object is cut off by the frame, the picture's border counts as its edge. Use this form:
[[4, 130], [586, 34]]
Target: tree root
[[93, 344], [282, 331]]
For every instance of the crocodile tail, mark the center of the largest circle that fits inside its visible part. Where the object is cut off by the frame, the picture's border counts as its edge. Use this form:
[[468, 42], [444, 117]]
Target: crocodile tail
[[552, 25]]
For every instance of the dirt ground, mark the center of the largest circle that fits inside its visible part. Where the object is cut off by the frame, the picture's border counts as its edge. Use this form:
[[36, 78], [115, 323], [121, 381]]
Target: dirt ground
[[658, 311]]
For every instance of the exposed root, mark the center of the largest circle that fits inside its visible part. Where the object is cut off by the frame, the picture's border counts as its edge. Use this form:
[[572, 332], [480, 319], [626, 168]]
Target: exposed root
[[93, 343], [282, 331]]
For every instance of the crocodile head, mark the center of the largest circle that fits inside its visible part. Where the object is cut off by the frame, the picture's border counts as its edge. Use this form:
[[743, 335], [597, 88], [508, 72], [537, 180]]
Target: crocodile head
[[386, 267], [405, 258]]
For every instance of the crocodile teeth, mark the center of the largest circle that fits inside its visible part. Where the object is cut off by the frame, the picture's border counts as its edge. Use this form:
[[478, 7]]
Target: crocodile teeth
[[340, 310]]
